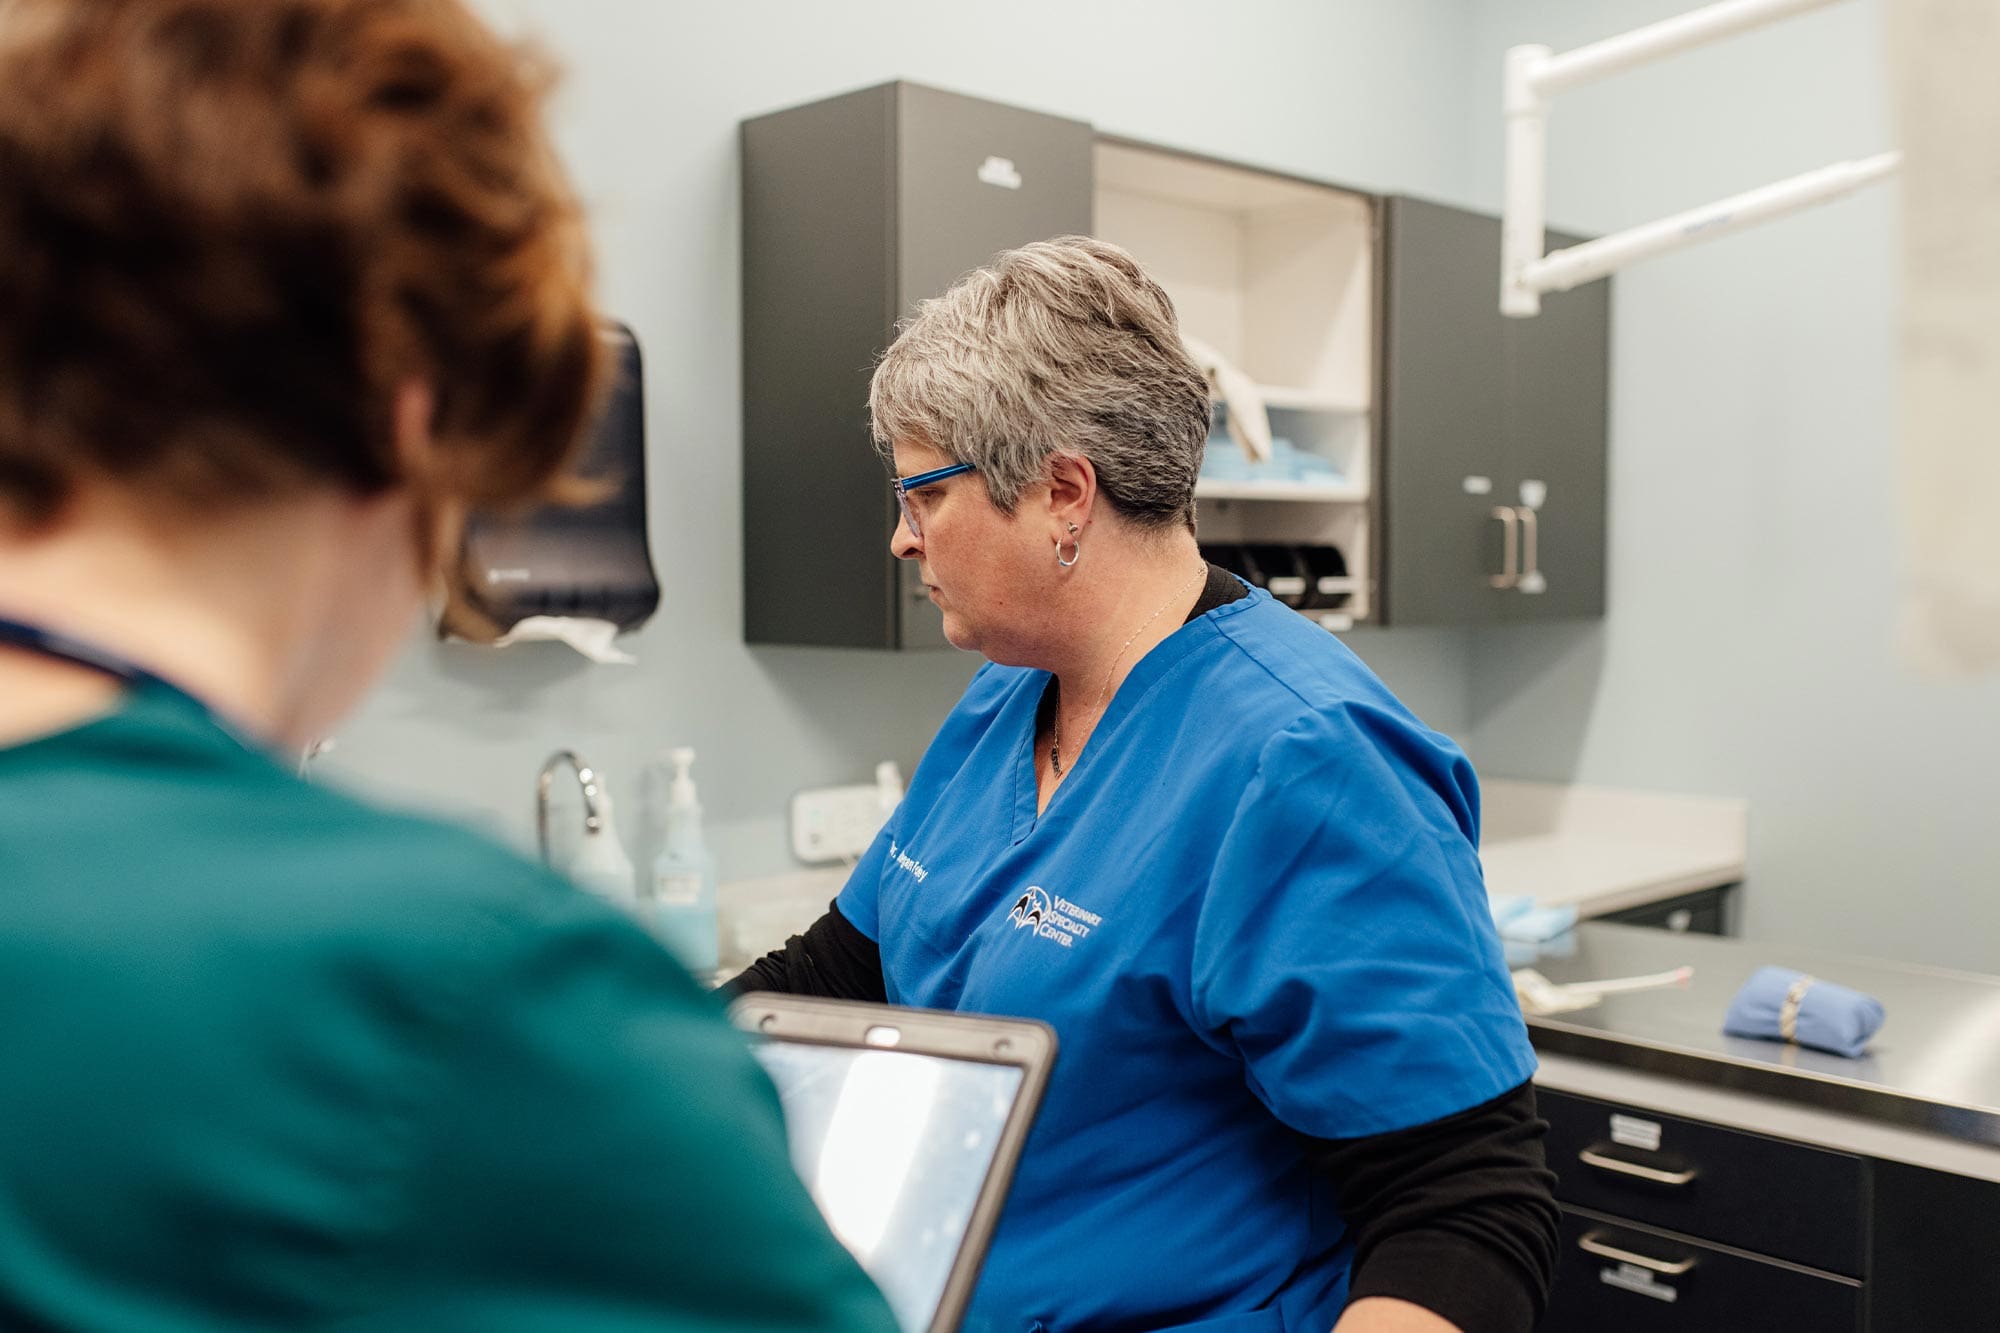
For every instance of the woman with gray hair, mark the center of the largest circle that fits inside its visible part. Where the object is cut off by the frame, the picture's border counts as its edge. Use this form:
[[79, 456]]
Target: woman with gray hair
[[1192, 832]]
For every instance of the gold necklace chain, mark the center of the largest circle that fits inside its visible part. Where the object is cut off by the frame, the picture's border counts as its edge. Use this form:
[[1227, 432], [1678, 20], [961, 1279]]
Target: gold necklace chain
[[1055, 738]]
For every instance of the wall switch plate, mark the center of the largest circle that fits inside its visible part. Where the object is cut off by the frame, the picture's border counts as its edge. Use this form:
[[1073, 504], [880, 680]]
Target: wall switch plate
[[836, 823]]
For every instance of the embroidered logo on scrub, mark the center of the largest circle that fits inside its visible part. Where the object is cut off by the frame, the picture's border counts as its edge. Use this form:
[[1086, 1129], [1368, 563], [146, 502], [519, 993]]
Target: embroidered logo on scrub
[[909, 865], [1053, 918]]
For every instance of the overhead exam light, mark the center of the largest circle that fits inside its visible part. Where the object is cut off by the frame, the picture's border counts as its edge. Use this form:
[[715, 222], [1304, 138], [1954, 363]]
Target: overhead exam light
[[1534, 75]]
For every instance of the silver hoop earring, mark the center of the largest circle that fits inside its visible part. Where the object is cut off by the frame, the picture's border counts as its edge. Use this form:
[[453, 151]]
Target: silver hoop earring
[[1075, 549]]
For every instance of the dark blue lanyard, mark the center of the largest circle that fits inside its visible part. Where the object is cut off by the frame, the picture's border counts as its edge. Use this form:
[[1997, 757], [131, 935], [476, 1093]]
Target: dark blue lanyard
[[51, 643], [63, 647]]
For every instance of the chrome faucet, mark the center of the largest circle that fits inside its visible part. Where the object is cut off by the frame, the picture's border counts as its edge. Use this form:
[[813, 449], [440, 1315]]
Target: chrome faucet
[[586, 778]]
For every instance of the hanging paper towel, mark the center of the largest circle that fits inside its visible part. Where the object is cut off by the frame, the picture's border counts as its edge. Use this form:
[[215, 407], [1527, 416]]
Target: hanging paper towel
[[592, 638], [1943, 54], [578, 574]]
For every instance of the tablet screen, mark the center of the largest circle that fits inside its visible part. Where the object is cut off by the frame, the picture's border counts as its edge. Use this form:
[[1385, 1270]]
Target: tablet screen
[[894, 1147]]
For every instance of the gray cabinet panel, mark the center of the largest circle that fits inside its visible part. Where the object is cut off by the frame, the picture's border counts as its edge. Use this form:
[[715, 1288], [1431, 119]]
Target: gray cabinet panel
[[975, 178], [1558, 407], [1468, 392], [1443, 414], [854, 209], [818, 296], [952, 216], [1932, 1267]]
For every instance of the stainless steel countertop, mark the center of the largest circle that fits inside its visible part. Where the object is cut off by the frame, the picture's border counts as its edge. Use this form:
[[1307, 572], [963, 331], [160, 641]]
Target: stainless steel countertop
[[1935, 1065]]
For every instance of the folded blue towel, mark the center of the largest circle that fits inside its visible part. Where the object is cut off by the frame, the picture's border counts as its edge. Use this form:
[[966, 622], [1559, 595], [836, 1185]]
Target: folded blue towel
[[1526, 953], [1778, 1004], [1519, 919], [1224, 461]]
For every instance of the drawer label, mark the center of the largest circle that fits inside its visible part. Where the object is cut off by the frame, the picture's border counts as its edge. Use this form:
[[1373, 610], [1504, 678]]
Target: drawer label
[[1631, 1277], [1636, 1133]]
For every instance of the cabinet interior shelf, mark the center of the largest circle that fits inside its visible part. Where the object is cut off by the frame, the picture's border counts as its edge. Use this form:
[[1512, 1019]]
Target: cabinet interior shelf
[[1317, 492], [1284, 398]]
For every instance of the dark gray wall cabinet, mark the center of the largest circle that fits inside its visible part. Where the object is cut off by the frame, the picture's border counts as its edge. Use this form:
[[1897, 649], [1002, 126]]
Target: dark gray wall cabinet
[[1493, 431], [854, 209], [1370, 324]]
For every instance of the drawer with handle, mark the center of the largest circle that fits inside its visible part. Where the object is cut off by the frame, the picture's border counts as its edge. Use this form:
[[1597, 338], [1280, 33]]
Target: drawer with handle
[[1774, 1197], [1613, 1275]]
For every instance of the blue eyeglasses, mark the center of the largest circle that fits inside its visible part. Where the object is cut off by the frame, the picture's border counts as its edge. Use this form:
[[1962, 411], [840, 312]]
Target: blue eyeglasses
[[904, 485]]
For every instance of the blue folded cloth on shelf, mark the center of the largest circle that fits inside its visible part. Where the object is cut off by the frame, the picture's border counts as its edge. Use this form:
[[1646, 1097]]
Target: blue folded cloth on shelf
[[1311, 467], [1521, 921], [1224, 461], [1778, 1004]]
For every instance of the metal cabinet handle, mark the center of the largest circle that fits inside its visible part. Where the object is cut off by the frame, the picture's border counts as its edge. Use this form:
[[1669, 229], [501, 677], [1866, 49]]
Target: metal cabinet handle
[[1531, 580], [1590, 1244], [1591, 1157], [1510, 560]]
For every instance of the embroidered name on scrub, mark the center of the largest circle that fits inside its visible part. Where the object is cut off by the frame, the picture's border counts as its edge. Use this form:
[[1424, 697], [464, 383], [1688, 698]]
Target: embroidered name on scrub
[[909, 864], [1056, 919]]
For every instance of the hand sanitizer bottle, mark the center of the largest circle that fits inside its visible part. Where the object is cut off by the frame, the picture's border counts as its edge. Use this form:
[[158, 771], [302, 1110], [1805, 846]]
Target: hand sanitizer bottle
[[600, 864], [888, 787], [683, 899]]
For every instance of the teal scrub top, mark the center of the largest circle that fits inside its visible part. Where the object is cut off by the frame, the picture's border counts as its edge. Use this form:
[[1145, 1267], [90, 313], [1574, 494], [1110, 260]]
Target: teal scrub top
[[275, 1058]]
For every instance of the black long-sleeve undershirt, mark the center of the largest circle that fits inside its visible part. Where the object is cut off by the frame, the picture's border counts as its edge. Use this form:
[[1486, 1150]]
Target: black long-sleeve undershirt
[[1457, 1215], [832, 960]]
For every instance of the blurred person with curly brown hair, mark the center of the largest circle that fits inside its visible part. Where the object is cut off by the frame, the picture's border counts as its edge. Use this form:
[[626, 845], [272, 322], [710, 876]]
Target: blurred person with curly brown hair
[[285, 286]]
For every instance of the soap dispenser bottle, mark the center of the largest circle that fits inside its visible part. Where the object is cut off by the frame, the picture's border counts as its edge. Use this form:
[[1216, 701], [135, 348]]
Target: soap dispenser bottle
[[600, 864], [683, 899]]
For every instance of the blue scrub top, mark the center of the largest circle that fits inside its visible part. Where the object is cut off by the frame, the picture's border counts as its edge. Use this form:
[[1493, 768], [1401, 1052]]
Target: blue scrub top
[[1253, 910]]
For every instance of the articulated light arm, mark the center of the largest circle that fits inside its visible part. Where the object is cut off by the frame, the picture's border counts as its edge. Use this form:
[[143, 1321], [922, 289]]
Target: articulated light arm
[[1534, 75]]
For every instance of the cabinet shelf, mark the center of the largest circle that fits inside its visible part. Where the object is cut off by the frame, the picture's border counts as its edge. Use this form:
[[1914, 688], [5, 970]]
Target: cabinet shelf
[[1285, 398], [1310, 492], [1277, 274]]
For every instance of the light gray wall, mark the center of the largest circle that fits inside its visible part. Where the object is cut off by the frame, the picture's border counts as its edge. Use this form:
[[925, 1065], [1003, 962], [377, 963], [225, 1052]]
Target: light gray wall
[[1360, 91], [1753, 498]]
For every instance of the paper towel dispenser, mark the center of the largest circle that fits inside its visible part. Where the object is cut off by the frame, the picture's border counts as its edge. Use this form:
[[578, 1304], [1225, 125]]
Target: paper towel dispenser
[[586, 561]]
